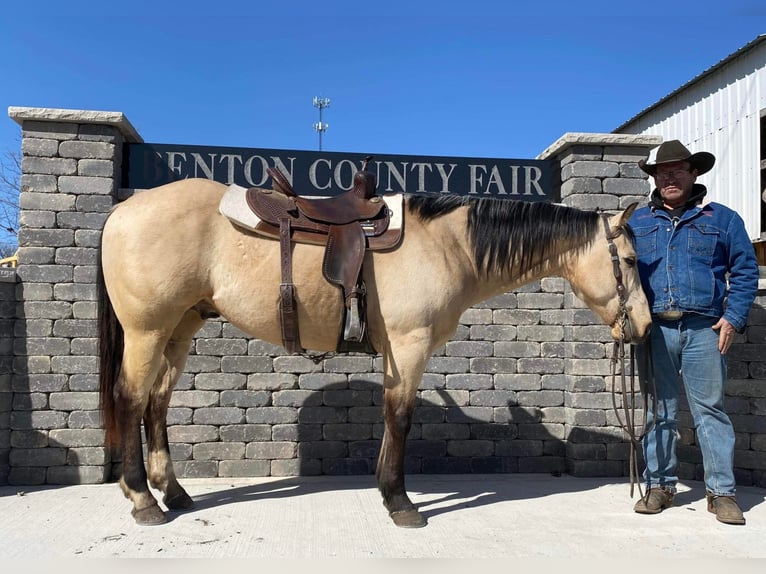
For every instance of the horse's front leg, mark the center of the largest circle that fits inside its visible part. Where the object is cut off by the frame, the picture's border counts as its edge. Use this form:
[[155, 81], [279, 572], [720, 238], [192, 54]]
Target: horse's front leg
[[402, 377], [160, 465]]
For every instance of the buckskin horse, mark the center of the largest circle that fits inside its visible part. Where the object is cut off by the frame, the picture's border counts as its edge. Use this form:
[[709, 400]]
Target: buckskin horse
[[169, 260]]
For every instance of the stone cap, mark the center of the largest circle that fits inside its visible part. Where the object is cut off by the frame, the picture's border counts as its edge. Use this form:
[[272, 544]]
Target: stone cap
[[575, 138], [116, 119]]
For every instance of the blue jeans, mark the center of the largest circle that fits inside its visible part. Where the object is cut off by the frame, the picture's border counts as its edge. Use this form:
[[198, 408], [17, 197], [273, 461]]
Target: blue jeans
[[687, 350]]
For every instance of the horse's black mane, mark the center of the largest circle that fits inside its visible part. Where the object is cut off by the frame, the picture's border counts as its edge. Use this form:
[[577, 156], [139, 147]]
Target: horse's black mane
[[505, 232]]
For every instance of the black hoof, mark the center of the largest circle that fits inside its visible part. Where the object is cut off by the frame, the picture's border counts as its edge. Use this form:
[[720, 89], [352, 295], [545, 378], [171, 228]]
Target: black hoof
[[408, 519], [180, 501], [149, 516]]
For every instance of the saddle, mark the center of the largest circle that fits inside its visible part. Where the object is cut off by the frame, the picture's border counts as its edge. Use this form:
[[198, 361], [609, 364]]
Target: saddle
[[348, 225]]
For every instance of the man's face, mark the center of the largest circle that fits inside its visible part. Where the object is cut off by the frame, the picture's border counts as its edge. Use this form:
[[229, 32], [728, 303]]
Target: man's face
[[675, 181]]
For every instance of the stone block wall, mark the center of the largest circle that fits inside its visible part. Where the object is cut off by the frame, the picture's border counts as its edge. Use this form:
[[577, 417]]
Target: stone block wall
[[523, 386]]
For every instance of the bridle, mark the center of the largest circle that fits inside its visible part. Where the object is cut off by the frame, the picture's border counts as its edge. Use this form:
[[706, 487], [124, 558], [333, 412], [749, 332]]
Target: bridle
[[628, 423], [622, 320]]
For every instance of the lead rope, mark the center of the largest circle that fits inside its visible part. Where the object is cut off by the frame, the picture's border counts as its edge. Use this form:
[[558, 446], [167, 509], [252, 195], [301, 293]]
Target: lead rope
[[628, 424]]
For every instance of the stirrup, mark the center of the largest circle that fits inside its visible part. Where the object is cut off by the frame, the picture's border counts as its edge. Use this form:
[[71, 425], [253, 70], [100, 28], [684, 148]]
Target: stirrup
[[353, 330]]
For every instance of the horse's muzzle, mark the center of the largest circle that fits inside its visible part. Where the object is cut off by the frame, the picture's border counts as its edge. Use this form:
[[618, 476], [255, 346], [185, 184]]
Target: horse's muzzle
[[625, 329]]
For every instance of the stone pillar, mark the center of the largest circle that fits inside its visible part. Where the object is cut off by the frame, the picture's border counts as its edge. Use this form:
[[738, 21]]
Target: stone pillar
[[71, 167], [597, 171]]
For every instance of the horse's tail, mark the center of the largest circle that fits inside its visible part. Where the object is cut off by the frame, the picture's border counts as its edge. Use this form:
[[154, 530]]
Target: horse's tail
[[111, 338]]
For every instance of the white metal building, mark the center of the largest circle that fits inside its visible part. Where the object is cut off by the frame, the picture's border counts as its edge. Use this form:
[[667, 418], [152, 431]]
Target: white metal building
[[722, 111]]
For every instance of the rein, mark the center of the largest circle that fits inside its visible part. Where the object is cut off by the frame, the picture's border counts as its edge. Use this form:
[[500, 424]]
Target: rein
[[627, 421]]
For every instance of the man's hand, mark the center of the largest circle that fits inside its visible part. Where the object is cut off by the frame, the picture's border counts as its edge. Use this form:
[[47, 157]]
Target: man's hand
[[725, 335]]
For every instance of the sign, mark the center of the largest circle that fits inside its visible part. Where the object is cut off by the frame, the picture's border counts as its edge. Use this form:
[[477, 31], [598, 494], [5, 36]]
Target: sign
[[331, 173], [7, 275]]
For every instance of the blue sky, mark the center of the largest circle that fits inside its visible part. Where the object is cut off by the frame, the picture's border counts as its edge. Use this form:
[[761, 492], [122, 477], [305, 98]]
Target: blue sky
[[478, 78]]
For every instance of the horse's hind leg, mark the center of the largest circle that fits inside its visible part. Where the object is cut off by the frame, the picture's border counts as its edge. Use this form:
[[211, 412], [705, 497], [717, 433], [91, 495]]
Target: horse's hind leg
[[141, 364], [402, 376], [160, 466]]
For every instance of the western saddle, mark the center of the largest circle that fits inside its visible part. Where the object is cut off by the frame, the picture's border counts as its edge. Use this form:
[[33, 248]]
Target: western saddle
[[347, 225]]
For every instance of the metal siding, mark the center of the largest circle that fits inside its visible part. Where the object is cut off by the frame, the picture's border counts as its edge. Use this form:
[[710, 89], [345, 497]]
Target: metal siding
[[721, 114]]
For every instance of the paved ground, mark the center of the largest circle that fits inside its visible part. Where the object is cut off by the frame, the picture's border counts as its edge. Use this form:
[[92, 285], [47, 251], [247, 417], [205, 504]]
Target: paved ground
[[470, 516]]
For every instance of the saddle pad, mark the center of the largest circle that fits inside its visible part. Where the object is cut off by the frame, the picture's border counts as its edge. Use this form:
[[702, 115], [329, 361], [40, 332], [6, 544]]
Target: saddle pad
[[234, 206]]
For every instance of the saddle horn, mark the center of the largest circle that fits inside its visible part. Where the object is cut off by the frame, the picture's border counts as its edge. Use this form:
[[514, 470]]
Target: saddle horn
[[364, 182], [280, 183]]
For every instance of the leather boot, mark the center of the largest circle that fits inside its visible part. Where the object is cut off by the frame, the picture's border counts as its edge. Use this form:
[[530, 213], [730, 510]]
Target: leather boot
[[725, 508], [654, 501]]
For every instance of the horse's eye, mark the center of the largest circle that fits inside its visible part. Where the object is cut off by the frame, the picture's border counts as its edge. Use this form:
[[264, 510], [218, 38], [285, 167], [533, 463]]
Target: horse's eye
[[630, 261]]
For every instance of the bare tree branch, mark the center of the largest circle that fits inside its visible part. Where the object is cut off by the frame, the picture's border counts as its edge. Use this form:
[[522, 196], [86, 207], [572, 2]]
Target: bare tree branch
[[10, 187]]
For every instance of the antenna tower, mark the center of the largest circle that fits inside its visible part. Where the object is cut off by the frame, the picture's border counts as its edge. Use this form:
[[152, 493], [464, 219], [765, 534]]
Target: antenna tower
[[320, 126]]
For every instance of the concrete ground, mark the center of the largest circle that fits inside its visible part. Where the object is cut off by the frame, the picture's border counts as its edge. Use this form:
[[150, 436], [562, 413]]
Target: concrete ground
[[469, 516]]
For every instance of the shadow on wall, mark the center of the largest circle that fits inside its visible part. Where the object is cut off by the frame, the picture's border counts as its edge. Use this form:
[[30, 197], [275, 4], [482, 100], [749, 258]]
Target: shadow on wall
[[53, 423], [7, 319], [313, 422], [336, 428]]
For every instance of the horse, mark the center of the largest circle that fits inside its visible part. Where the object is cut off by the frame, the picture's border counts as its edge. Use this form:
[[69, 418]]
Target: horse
[[169, 261]]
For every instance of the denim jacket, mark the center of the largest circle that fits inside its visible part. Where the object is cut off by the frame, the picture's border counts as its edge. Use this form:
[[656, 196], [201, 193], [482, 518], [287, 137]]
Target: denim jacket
[[683, 262]]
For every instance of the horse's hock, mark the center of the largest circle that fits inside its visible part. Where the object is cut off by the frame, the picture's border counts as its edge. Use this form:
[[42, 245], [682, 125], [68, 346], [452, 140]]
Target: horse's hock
[[523, 386]]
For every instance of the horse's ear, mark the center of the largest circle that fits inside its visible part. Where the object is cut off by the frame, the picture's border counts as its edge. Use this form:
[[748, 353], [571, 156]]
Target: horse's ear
[[618, 221], [625, 215]]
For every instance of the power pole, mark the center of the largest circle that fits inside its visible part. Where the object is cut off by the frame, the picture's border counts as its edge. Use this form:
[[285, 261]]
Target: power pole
[[320, 126]]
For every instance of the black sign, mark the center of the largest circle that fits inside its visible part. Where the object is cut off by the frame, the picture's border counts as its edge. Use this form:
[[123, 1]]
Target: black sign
[[7, 275], [331, 173]]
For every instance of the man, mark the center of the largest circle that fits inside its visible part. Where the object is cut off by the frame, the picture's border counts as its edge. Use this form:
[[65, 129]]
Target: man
[[685, 251]]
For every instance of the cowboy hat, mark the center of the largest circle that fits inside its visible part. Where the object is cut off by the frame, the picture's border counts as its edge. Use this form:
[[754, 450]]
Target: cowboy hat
[[672, 151]]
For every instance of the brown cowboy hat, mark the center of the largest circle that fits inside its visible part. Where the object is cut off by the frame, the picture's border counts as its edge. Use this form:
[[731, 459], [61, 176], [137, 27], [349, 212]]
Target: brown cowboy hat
[[672, 151]]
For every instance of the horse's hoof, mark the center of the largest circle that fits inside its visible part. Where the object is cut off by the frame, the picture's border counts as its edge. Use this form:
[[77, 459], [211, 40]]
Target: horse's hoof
[[180, 501], [149, 516], [408, 519]]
